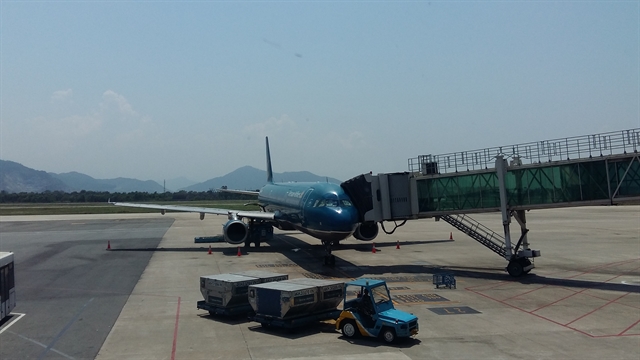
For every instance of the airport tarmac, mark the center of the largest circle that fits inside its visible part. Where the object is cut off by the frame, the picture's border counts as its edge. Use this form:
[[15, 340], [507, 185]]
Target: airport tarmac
[[582, 301]]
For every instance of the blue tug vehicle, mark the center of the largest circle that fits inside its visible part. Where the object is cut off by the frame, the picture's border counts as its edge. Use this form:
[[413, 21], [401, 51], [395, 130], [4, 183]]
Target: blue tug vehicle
[[368, 311]]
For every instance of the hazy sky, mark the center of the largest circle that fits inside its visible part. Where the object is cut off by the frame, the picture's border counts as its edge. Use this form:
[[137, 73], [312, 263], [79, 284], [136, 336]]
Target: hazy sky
[[162, 89]]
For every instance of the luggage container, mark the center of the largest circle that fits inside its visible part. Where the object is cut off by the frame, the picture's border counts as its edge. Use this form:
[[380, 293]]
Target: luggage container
[[227, 293], [330, 292], [265, 276], [293, 303]]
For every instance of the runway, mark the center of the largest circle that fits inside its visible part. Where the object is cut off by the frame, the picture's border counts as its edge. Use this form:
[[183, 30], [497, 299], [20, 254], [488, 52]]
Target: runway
[[137, 301]]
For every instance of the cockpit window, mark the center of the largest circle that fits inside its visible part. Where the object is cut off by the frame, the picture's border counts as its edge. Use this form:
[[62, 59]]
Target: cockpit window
[[331, 200], [327, 203]]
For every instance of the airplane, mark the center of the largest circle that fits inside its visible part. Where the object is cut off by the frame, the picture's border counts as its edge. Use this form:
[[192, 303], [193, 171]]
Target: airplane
[[322, 210]]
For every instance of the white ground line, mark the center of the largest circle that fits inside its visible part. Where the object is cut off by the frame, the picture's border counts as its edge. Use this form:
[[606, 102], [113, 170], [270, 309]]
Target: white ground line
[[12, 322]]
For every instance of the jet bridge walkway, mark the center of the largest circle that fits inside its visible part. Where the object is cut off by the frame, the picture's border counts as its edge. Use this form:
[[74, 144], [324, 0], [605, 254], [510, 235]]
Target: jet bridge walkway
[[600, 169]]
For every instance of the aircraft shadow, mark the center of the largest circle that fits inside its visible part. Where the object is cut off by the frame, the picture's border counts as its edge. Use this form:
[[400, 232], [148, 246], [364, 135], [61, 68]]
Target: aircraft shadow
[[161, 249], [496, 274], [310, 257], [367, 246], [571, 283]]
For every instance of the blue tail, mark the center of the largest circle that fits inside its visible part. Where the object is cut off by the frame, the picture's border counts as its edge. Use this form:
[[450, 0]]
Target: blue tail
[[269, 171]]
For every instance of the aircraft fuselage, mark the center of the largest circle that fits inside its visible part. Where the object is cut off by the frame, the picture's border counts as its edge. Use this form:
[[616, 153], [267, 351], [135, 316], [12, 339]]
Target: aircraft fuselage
[[322, 210]]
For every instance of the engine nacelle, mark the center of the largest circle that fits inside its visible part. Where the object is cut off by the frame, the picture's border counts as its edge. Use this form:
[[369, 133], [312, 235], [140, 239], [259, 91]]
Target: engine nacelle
[[235, 231], [366, 231]]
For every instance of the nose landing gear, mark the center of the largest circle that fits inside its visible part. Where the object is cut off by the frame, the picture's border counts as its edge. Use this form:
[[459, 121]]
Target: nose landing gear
[[329, 259]]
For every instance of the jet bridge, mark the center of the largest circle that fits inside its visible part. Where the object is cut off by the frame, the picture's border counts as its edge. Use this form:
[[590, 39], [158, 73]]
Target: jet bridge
[[600, 169]]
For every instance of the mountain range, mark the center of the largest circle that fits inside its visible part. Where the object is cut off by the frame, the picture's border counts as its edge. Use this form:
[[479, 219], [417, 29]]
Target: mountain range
[[16, 178]]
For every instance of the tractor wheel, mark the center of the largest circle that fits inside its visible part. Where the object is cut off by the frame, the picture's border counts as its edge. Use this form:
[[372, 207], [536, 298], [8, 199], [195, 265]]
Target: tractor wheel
[[388, 335], [349, 328]]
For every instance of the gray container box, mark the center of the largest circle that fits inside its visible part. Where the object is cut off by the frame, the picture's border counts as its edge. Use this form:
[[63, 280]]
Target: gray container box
[[330, 292], [228, 290], [293, 298], [265, 276]]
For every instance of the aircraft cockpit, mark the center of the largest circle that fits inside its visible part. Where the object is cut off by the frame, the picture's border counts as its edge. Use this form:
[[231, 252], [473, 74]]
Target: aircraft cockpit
[[332, 200]]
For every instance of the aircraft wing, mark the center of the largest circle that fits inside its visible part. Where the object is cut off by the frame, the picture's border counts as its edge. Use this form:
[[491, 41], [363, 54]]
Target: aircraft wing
[[202, 210], [243, 192]]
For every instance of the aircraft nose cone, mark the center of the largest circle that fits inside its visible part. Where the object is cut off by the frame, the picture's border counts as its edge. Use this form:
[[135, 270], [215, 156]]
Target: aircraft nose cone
[[345, 219]]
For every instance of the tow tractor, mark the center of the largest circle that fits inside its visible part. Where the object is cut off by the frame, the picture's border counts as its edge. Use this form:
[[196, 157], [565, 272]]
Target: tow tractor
[[369, 311]]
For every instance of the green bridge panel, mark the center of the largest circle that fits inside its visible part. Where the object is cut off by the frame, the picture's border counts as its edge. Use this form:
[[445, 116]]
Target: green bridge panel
[[578, 183]]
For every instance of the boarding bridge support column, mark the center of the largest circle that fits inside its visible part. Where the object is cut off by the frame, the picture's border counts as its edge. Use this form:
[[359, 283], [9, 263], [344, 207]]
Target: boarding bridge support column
[[501, 169], [519, 262]]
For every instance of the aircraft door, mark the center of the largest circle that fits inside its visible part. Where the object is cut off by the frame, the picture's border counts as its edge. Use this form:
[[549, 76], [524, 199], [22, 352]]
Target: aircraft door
[[307, 201]]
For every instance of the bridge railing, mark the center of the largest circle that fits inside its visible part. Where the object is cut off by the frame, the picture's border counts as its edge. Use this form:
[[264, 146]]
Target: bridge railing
[[571, 148]]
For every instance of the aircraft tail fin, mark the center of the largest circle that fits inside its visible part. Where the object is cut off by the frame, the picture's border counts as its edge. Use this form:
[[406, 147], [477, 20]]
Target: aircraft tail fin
[[269, 171]]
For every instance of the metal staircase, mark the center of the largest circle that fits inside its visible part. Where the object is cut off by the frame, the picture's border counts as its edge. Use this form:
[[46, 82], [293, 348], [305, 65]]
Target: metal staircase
[[478, 232]]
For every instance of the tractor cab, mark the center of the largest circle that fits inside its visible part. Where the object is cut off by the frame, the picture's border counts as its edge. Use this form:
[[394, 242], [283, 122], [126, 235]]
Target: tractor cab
[[369, 311]]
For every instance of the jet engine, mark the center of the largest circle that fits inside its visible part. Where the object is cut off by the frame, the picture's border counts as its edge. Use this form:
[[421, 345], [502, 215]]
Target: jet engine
[[235, 231], [366, 231]]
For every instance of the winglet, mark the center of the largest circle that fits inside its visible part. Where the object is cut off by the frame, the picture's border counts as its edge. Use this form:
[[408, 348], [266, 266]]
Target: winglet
[[269, 171]]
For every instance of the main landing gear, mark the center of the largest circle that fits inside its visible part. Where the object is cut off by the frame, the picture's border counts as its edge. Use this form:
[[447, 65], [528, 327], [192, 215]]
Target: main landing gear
[[329, 259], [258, 231]]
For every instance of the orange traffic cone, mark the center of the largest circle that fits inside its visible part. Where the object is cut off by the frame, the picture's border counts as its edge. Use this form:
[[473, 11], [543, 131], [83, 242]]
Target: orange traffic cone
[[108, 244], [398, 244], [239, 253], [450, 236], [373, 248], [209, 250]]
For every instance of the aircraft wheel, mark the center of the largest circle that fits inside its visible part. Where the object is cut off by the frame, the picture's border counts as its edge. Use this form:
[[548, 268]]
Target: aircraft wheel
[[348, 328], [389, 335]]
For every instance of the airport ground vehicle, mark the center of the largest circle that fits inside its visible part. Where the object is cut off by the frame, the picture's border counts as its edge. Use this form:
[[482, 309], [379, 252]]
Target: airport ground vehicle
[[371, 312], [226, 294], [7, 284], [296, 302]]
